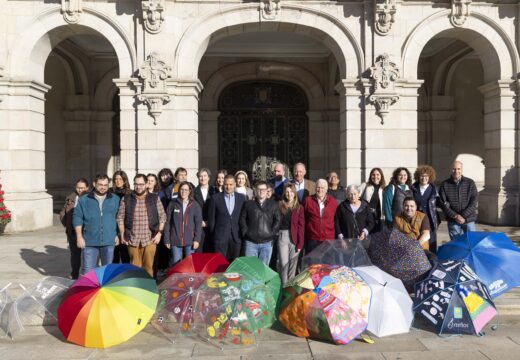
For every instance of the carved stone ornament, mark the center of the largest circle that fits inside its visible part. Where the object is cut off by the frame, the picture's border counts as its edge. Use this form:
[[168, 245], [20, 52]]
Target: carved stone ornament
[[383, 74], [153, 17], [153, 75], [270, 9], [384, 11], [459, 12], [71, 10]]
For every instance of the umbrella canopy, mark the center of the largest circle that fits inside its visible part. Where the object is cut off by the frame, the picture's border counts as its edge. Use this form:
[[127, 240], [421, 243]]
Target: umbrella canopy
[[231, 308], [493, 257], [5, 304], [107, 306], [328, 302], [453, 299], [256, 269], [399, 255], [391, 307], [346, 252], [206, 263], [174, 314]]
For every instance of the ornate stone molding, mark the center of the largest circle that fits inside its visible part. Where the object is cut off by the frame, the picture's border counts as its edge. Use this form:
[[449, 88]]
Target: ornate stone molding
[[383, 74], [154, 74], [460, 11], [153, 17], [71, 10], [270, 9], [384, 11]]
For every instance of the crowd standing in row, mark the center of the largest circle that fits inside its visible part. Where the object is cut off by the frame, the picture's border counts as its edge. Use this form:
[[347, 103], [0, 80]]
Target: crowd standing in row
[[165, 218]]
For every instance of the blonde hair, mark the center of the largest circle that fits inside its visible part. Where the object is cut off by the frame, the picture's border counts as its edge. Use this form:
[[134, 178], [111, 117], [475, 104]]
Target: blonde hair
[[284, 203], [245, 175]]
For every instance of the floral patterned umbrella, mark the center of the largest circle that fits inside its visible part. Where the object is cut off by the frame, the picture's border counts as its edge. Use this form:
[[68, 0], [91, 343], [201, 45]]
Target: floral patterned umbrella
[[328, 302]]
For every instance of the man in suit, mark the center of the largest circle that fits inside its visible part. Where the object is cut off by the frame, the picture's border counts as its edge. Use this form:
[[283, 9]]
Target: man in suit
[[279, 181], [304, 187], [224, 218]]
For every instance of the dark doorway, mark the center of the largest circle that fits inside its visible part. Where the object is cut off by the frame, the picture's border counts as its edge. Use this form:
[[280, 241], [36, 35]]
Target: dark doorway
[[262, 122]]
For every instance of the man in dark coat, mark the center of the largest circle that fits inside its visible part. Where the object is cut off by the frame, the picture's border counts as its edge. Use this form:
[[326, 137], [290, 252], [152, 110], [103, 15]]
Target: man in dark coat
[[259, 223], [223, 219], [458, 199], [278, 181]]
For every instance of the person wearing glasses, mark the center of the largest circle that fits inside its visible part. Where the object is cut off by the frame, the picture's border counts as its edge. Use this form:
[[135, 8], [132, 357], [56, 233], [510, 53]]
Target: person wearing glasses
[[260, 221], [141, 220]]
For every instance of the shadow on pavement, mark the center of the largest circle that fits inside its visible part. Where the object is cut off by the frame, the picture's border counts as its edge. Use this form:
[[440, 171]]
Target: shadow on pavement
[[53, 261]]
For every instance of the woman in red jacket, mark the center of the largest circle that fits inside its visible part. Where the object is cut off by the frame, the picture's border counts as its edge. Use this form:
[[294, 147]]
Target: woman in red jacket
[[320, 210], [291, 236]]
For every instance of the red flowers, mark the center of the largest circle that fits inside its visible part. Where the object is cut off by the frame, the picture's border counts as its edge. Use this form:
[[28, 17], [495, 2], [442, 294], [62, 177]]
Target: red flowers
[[5, 214]]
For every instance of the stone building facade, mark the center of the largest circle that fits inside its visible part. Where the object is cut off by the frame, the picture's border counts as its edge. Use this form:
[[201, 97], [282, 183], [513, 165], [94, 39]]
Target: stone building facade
[[90, 86]]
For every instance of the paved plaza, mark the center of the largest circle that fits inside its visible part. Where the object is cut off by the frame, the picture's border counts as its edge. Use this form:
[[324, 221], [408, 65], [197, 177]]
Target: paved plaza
[[27, 257]]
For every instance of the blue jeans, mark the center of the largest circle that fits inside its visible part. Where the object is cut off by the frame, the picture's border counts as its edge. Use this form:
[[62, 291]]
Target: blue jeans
[[262, 251], [458, 229], [91, 254], [179, 253]]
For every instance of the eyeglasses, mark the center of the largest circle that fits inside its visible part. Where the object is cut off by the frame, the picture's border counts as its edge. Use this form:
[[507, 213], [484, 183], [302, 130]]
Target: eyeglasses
[[261, 189], [139, 184]]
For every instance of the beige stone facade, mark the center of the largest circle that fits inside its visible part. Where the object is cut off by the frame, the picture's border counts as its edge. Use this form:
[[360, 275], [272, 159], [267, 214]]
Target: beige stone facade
[[94, 86]]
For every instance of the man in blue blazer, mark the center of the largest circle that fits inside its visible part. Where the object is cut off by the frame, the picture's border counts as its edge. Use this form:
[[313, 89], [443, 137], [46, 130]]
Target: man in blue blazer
[[224, 217]]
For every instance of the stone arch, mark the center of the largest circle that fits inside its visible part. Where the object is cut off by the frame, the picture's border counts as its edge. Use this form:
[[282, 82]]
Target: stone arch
[[484, 35], [253, 71], [294, 18], [28, 58]]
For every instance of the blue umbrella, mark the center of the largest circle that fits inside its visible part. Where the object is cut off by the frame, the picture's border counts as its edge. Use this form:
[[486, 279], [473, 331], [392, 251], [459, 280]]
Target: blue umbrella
[[493, 257]]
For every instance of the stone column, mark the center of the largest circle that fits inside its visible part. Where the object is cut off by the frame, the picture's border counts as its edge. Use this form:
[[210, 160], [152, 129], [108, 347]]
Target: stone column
[[128, 120], [351, 124], [174, 140], [499, 201], [208, 140], [393, 143], [22, 154]]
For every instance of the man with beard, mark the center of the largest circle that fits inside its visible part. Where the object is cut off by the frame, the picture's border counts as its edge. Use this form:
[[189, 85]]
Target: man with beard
[[94, 221], [141, 219], [279, 181]]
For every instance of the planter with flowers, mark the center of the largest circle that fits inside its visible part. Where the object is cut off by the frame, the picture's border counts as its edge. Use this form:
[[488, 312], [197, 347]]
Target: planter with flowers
[[5, 214]]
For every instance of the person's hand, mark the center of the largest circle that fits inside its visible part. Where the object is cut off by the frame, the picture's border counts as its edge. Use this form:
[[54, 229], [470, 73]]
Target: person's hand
[[459, 219], [343, 244], [116, 241], [80, 242], [168, 246], [157, 238], [195, 245], [204, 224], [362, 236]]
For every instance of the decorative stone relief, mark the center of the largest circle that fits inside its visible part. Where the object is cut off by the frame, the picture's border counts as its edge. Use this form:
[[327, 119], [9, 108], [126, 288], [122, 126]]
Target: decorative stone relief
[[270, 9], [384, 11], [383, 74], [459, 12], [71, 10], [153, 75], [153, 17]]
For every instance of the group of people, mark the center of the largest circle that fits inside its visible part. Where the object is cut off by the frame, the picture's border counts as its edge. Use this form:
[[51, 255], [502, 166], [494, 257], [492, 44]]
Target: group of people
[[165, 217]]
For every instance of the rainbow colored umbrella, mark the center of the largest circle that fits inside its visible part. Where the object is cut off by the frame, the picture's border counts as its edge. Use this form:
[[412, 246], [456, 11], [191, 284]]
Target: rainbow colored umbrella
[[107, 306]]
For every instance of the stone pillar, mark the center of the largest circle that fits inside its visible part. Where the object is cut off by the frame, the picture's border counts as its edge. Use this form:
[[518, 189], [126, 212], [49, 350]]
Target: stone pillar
[[128, 120], [208, 140], [351, 123], [174, 140], [22, 154], [393, 143], [499, 201]]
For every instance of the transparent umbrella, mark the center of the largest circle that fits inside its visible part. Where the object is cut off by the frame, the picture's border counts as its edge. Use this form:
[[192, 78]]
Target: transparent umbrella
[[345, 252]]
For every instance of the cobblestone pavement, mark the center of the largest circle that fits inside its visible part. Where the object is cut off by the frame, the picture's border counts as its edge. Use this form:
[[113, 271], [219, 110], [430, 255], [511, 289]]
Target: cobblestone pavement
[[30, 256]]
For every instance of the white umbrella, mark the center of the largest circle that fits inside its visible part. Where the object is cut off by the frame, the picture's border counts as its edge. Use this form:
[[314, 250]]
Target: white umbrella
[[391, 307]]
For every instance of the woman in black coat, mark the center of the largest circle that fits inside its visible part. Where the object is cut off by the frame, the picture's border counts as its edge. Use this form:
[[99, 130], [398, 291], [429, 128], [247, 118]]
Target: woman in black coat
[[202, 194], [354, 220]]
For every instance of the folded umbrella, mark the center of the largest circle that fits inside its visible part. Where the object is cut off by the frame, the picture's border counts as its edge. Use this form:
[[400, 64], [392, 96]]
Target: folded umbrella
[[453, 299], [346, 252], [206, 263], [328, 302], [107, 306], [399, 255], [493, 257], [391, 306]]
